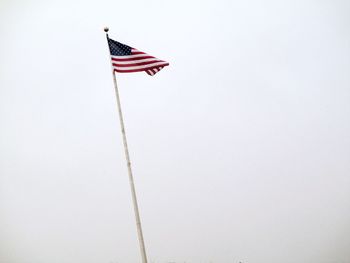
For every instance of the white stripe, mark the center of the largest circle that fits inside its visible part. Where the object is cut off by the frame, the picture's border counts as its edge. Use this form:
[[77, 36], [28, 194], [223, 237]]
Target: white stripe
[[131, 56], [141, 67], [135, 50], [136, 61]]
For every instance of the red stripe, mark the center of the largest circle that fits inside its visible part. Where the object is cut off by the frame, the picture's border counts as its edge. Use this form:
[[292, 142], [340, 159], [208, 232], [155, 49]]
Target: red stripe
[[134, 70], [131, 65], [120, 58], [137, 52], [136, 64], [149, 72]]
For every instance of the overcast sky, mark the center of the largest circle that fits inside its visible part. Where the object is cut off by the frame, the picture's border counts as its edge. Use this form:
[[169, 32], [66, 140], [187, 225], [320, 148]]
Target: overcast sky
[[240, 148]]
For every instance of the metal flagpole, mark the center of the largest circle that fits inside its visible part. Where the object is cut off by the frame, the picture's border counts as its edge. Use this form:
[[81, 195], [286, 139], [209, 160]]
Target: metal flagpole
[[131, 179]]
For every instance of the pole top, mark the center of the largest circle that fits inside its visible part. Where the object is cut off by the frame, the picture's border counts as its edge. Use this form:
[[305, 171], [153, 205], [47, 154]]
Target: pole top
[[106, 29]]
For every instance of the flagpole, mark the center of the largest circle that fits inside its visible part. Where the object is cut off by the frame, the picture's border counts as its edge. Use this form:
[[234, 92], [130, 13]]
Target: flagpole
[[131, 179]]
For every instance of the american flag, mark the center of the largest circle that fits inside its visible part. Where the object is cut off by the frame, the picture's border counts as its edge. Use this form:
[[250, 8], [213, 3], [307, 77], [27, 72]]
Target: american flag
[[126, 59]]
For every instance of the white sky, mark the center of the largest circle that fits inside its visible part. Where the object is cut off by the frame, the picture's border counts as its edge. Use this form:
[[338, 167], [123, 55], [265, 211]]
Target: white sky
[[240, 148]]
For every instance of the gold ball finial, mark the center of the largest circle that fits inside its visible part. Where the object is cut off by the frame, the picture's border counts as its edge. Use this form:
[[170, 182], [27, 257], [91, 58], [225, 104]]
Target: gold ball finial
[[106, 29]]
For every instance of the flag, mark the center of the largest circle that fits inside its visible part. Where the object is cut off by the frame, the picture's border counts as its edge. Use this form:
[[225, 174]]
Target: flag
[[126, 59]]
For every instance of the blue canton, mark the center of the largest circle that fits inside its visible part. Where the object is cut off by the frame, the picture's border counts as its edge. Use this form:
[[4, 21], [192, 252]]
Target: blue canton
[[118, 49]]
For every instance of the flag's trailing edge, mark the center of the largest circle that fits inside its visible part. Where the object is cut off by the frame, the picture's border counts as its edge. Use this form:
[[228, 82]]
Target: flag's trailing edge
[[126, 59]]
